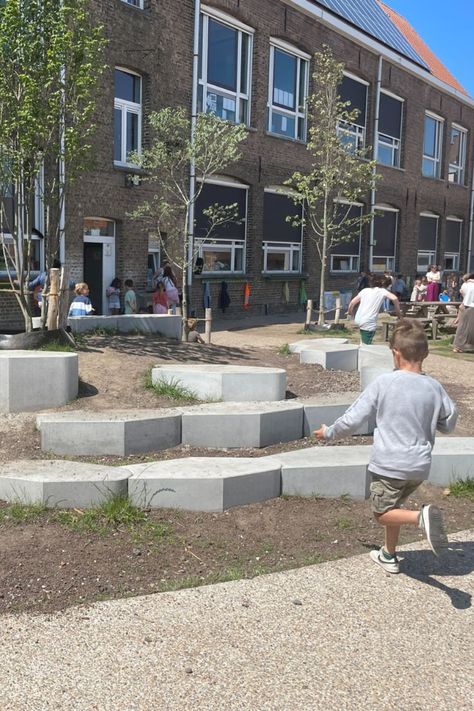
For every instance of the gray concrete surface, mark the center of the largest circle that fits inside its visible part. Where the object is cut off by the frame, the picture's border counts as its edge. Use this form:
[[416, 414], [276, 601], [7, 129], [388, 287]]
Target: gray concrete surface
[[234, 424], [37, 380], [163, 324], [338, 357], [60, 484], [114, 432], [325, 409], [453, 458], [203, 483], [356, 641], [312, 343], [231, 383]]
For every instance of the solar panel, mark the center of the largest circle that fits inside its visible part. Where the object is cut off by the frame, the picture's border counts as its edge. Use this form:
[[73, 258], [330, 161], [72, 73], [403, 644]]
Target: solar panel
[[369, 17]]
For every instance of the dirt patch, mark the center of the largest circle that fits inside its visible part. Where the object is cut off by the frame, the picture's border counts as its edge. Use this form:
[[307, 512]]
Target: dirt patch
[[48, 567]]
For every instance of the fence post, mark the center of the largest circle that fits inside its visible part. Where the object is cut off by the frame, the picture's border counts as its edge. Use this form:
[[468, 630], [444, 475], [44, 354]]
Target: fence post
[[53, 298], [309, 313], [338, 310], [208, 325]]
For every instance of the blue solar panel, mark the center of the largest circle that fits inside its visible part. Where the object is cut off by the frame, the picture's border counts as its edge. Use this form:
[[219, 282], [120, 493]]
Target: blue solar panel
[[368, 16]]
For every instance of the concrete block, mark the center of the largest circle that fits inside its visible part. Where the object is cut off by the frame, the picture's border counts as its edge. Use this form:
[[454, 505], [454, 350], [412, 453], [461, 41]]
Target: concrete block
[[165, 325], [231, 383], [325, 471], [82, 324], [229, 424], [327, 409], [369, 373], [110, 432], [376, 356], [61, 484], [343, 357], [453, 458], [203, 484], [312, 343], [37, 380]]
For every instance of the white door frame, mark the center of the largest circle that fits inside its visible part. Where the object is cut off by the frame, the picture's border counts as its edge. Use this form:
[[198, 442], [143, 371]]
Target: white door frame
[[108, 264]]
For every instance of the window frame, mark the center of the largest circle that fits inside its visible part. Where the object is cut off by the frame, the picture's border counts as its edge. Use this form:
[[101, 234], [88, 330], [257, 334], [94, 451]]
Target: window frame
[[208, 13], [126, 107], [431, 259], [353, 258], [300, 111], [456, 256], [391, 143], [354, 130], [389, 259], [430, 252], [460, 169], [284, 247], [437, 159], [132, 3]]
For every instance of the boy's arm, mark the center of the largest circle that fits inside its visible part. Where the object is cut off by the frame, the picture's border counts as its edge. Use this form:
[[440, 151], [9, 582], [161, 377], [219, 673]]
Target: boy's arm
[[353, 302], [364, 407], [448, 415], [395, 301]]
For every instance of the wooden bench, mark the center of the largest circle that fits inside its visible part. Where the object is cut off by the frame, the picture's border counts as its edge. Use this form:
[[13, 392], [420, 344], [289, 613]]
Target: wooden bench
[[432, 321]]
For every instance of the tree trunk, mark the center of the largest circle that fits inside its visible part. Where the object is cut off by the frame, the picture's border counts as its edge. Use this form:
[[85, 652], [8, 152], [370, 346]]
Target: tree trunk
[[53, 300], [323, 264], [184, 278]]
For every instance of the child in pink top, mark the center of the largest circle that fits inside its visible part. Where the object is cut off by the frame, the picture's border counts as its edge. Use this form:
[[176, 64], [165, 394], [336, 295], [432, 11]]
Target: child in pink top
[[160, 300]]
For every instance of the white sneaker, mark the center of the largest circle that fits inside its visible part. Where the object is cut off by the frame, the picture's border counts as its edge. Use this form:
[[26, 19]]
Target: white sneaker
[[390, 565], [431, 522]]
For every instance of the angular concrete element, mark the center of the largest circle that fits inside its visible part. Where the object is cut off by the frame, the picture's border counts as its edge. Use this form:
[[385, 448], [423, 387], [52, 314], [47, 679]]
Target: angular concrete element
[[109, 432], [37, 380], [204, 484], [453, 458], [342, 357], [312, 343], [325, 471], [228, 424], [231, 383], [165, 325], [327, 409], [369, 373], [61, 484], [374, 361]]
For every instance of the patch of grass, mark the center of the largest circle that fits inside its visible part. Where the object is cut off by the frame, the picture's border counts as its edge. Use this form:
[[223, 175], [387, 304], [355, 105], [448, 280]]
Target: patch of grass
[[172, 389], [58, 346], [464, 488], [343, 523], [22, 513], [284, 349]]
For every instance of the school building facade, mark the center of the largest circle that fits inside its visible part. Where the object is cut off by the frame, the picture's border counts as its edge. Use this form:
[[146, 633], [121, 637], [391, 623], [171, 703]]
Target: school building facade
[[255, 61]]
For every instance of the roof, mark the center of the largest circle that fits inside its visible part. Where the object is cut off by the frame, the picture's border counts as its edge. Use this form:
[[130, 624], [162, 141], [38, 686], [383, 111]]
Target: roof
[[435, 65]]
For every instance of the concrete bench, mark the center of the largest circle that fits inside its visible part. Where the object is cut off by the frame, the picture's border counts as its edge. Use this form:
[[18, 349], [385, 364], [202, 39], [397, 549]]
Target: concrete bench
[[110, 432], [166, 325], [453, 458], [312, 343], [204, 484], [327, 409], [335, 357]]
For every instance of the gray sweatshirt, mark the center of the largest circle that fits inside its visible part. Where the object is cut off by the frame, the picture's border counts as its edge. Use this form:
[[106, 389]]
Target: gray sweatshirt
[[408, 409]]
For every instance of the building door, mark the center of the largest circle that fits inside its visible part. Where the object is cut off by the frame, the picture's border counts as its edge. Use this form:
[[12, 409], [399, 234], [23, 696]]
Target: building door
[[93, 273]]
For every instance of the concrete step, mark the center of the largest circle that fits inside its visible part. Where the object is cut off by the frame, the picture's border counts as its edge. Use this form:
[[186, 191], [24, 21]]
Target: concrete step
[[453, 459], [337, 357], [166, 325], [312, 343], [326, 409]]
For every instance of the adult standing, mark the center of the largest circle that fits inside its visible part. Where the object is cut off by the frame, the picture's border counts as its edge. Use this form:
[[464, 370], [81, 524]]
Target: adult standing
[[464, 339], [433, 277], [169, 281]]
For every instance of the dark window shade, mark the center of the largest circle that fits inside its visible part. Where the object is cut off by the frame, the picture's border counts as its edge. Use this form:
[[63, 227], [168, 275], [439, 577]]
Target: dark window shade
[[385, 232], [222, 195], [352, 246], [453, 236], [6, 205], [222, 56], [390, 119], [356, 93], [428, 234], [276, 208]]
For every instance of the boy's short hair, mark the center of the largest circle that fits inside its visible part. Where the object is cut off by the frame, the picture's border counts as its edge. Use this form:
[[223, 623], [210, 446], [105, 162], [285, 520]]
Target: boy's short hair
[[79, 288], [192, 323], [129, 282], [376, 280], [409, 338]]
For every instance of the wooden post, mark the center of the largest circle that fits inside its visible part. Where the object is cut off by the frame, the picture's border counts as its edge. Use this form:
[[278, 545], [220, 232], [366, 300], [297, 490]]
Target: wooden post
[[179, 311], [338, 310], [208, 325], [53, 300], [63, 298], [309, 313], [170, 312]]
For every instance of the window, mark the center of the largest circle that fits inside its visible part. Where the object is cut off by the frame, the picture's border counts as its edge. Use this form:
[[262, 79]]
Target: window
[[135, 3], [427, 241], [390, 129], [354, 91], [452, 251], [8, 206], [223, 250], [281, 240], [154, 257], [432, 143], [457, 154], [127, 115], [225, 58], [345, 256], [288, 89], [385, 238]]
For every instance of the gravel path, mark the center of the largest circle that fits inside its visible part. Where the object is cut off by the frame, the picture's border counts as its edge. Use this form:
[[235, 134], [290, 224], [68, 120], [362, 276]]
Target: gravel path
[[338, 636]]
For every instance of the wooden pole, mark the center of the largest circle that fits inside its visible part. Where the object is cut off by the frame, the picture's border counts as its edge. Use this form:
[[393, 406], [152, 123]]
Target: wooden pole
[[309, 313], [53, 300], [63, 298], [208, 325], [338, 310]]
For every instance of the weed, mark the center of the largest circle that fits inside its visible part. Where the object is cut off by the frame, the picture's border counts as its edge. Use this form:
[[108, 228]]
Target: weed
[[284, 349], [22, 513], [58, 346], [343, 523], [463, 488], [172, 388]]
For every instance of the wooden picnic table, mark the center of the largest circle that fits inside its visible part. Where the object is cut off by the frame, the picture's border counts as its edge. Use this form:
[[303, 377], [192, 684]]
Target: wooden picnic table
[[429, 313]]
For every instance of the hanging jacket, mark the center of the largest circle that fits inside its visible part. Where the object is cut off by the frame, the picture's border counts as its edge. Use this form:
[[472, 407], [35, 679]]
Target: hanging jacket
[[206, 295], [302, 295], [224, 298], [246, 295]]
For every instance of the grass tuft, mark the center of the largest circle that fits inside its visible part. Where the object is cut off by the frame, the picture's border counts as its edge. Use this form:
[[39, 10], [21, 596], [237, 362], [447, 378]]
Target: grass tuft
[[284, 349], [464, 488], [58, 346], [22, 513], [172, 389]]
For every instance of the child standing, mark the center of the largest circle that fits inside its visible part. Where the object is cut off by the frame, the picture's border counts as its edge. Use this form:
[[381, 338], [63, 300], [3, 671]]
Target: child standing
[[81, 305], [160, 300], [419, 291], [113, 295], [371, 300], [130, 298], [403, 439]]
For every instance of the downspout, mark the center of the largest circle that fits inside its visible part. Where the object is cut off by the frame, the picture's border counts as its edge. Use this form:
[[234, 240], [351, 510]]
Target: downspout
[[471, 226], [192, 168], [373, 192], [62, 169]]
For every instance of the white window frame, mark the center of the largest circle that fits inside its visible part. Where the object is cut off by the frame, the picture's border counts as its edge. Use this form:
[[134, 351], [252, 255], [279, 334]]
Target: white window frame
[[456, 172], [355, 131], [430, 258], [288, 249], [300, 111], [455, 256], [353, 258], [431, 254], [434, 160], [201, 245], [126, 107], [205, 88], [389, 259], [134, 3], [390, 142]]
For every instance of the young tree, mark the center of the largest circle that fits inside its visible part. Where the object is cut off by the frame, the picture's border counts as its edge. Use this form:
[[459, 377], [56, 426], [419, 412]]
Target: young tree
[[50, 64], [339, 173], [210, 148]]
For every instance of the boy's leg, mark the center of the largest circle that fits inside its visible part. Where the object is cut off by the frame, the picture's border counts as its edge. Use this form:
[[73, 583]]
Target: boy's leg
[[366, 337]]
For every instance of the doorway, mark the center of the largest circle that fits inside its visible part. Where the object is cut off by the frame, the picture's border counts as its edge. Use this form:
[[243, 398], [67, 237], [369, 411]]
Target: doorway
[[99, 260], [93, 273]]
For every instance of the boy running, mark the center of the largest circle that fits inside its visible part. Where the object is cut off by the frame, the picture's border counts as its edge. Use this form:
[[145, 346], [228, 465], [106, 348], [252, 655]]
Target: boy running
[[370, 301], [409, 407]]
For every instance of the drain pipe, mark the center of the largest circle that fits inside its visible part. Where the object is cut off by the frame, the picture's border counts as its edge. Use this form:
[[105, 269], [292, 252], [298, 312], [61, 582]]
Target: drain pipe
[[471, 227], [373, 192], [192, 168]]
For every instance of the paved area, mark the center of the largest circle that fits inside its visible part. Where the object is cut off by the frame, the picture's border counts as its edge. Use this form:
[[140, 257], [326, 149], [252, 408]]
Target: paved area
[[342, 635]]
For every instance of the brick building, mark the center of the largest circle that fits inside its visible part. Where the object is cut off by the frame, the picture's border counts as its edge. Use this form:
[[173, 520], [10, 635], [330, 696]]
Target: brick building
[[255, 66]]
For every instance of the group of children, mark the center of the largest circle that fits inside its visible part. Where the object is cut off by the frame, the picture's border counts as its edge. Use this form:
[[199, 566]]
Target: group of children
[[82, 305]]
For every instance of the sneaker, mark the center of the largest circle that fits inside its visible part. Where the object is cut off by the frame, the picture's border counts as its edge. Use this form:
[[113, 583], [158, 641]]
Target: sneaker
[[431, 522], [390, 565]]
